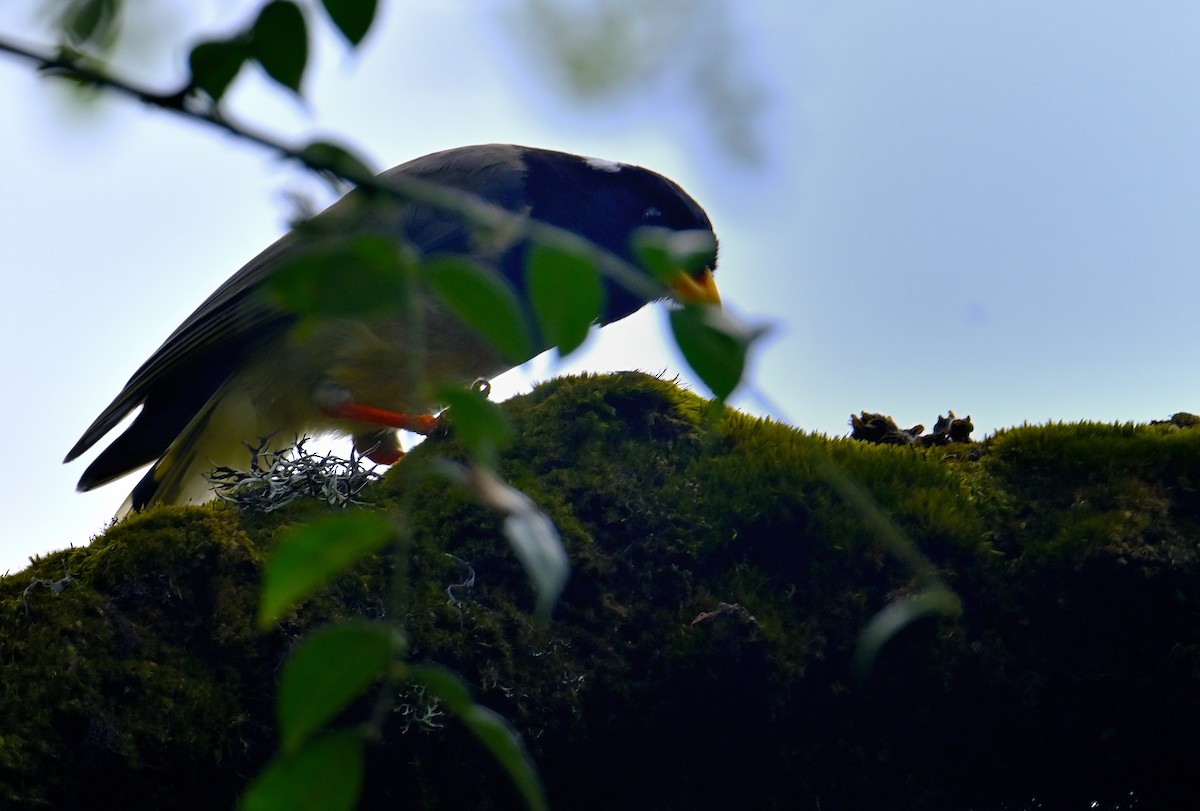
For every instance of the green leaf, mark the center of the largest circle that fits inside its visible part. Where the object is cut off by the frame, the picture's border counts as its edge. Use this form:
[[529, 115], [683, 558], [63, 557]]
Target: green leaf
[[330, 669], [531, 534], [309, 556], [352, 17], [666, 252], [492, 730], [896, 617], [714, 345], [324, 775], [338, 160], [279, 42], [536, 542], [566, 295], [485, 301], [364, 275], [215, 64], [478, 422]]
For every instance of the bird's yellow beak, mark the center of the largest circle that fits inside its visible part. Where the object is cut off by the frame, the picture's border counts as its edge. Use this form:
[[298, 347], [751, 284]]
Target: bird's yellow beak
[[689, 289]]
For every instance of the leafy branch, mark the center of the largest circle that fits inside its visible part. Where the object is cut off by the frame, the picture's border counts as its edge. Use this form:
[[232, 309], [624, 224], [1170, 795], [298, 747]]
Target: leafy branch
[[714, 343], [338, 162], [339, 664]]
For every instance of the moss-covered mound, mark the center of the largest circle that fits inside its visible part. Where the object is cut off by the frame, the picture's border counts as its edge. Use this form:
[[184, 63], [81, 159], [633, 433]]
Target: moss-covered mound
[[701, 654]]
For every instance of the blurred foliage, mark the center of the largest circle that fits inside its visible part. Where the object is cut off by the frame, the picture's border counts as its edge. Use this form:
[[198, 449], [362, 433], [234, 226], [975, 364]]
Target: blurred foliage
[[593, 51], [606, 50], [88, 25]]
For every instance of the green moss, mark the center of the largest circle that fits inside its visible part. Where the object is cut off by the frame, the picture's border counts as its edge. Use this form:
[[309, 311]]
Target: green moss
[[1086, 489], [135, 666], [700, 655]]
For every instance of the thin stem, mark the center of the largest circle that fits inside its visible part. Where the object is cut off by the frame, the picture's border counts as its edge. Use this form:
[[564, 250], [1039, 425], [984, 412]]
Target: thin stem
[[187, 104]]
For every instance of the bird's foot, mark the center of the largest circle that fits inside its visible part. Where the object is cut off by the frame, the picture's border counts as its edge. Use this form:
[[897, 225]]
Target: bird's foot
[[383, 456], [381, 446]]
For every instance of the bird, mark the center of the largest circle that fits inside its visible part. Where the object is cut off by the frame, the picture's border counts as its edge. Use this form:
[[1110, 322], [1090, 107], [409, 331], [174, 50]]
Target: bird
[[244, 366]]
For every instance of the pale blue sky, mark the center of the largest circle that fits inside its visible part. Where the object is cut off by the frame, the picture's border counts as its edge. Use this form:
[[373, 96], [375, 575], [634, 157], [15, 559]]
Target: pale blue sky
[[983, 207]]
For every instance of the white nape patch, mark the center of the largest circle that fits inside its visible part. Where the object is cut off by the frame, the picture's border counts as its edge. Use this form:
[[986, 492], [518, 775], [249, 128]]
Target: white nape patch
[[601, 165]]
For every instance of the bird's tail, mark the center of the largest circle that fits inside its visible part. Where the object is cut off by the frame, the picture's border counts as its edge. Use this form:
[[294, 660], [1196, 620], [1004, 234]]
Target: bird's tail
[[220, 435]]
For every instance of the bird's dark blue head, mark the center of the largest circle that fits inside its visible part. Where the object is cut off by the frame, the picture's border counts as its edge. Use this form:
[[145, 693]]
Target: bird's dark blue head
[[606, 203], [599, 201]]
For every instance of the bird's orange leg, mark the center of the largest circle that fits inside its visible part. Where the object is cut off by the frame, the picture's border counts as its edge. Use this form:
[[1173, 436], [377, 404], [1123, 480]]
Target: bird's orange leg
[[336, 403], [424, 424], [381, 447]]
